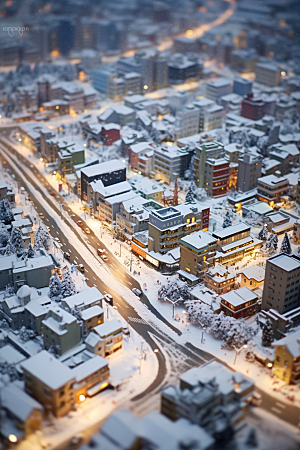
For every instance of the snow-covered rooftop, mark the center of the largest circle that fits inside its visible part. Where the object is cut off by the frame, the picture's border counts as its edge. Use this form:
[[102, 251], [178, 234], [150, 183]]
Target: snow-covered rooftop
[[291, 342], [229, 231], [46, 368], [85, 298], [199, 239], [108, 328], [105, 167], [255, 272], [285, 262], [18, 403], [239, 296], [89, 367], [91, 312]]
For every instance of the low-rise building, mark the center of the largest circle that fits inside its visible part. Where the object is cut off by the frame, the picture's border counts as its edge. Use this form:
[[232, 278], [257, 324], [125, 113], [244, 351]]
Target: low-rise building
[[296, 232], [267, 73], [217, 88], [252, 277], [253, 107], [90, 377], [50, 382], [83, 300], [235, 243], [147, 188], [196, 254], [92, 317], [287, 358], [271, 188], [219, 279], [239, 303], [171, 162], [141, 157], [133, 216], [6, 191], [111, 335], [61, 330], [279, 222]]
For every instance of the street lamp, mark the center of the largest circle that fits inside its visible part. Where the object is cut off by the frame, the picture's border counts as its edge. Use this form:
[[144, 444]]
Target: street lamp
[[12, 438], [237, 352]]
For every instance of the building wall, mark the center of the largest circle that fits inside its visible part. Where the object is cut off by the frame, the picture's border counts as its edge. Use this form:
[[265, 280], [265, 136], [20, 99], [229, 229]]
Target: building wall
[[283, 363]]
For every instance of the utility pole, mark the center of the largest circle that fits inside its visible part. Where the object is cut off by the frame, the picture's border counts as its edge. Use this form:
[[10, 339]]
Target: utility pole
[[130, 261], [142, 343]]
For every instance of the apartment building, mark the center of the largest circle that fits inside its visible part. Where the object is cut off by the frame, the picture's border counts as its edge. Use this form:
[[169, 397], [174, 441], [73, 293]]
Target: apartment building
[[110, 335], [243, 60], [6, 191], [219, 279], [61, 331], [253, 107], [267, 73], [133, 216], [187, 121], [170, 162], [141, 157], [50, 382], [216, 177], [239, 303], [209, 150], [196, 254], [241, 86], [248, 172], [271, 188], [235, 243], [281, 287], [215, 89], [90, 377]]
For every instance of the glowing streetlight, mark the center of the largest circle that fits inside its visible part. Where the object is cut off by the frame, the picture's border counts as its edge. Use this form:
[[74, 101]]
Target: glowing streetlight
[[81, 397], [237, 352], [12, 438], [145, 87], [41, 159], [269, 365], [283, 73]]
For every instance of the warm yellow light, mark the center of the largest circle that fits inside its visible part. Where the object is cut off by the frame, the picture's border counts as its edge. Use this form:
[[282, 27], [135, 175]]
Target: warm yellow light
[[55, 53], [145, 86], [12, 438], [140, 173], [81, 397], [283, 73], [170, 143], [189, 32], [270, 365], [57, 107], [41, 159], [271, 54]]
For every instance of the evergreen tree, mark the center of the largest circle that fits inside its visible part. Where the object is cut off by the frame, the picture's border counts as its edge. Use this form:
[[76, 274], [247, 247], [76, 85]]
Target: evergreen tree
[[17, 241], [190, 196], [67, 285], [227, 220], [267, 334], [42, 238], [6, 214], [286, 245], [30, 251], [9, 250], [275, 242], [4, 236], [272, 243], [55, 288], [263, 234]]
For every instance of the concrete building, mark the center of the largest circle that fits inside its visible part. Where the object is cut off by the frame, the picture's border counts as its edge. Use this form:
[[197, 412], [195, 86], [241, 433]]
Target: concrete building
[[210, 118], [90, 377], [287, 358], [239, 303], [219, 279], [133, 216], [252, 277], [61, 330], [241, 86], [267, 73], [243, 60], [248, 172], [281, 287], [50, 382], [183, 67], [216, 177], [170, 162], [147, 188], [235, 243], [253, 107], [187, 121], [111, 335], [141, 157], [208, 150], [217, 88], [6, 191], [271, 188], [196, 255], [83, 300]]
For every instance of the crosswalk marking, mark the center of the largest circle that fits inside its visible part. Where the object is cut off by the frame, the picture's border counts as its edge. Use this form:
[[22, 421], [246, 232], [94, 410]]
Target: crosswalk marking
[[137, 320]]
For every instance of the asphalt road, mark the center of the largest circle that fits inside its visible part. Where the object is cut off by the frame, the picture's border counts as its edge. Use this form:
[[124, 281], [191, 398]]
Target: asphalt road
[[191, 356]]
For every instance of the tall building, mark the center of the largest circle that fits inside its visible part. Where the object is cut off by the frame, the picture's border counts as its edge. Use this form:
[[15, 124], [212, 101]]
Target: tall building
[[170, 162], [281, 287], [216, 177], [267, 73], [249, 171], [182, 68], [217, 88], [187, 121], [209, 150]]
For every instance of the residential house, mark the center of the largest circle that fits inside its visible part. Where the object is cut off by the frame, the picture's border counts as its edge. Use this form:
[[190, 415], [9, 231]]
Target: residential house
[[271, 189], [219, 279], [170, 162], [90, 377], [111, 335], [239, 303], [287, 358], [83, 300], [252, 277]]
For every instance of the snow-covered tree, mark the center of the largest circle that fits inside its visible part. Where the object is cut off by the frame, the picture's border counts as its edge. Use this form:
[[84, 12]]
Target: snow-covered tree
[[9, 291], [286, 245], [16, 241], [199, 313], [267, 334], [190, 195], [42, 238], [26, 334], [55, 289], [4, 236], [238, 334], [6, 214], [227, 220], [67, 285], [263, 234], [30, 251], [9, 249], [175, 290]]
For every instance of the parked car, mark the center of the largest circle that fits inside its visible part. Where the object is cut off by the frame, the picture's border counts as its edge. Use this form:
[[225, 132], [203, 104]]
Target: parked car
[[41, 215], [100, 251], [104, 258], [80, 223], [126, 331], [52, 193], [81, 268], [87, 230], [137, 292], [67, 255], [108, 298]]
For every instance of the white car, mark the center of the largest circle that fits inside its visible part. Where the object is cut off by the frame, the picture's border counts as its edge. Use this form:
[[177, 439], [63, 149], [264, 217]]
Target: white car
[[137, 292]]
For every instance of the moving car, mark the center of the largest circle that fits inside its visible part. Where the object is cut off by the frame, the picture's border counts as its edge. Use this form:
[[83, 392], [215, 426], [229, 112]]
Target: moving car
[[41, 215], [100, 251], [87, 230], [80, 267], [104, 258], [137, 292], [80, 223], [108, 298], [49, 229], [52, 193], [67, 255]]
